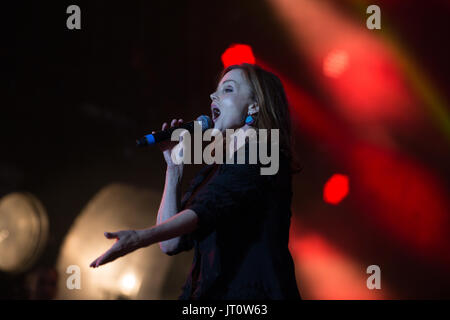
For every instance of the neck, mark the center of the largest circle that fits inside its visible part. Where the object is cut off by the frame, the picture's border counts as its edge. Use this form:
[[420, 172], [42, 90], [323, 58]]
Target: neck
[[238, 143]]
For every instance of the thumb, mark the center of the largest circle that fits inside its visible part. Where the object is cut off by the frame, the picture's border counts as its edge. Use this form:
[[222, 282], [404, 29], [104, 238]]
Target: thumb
[[111, 235]]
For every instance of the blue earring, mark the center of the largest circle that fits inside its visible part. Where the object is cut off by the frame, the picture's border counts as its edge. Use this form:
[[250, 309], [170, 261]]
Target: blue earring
[[250, 120]]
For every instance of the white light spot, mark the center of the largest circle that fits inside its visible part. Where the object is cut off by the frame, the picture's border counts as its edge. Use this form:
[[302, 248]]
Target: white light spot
[[128, 283]]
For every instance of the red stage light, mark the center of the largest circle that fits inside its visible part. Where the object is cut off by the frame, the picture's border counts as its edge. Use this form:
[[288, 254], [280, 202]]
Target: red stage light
[[237, 54], [335, 63], [336, 189]]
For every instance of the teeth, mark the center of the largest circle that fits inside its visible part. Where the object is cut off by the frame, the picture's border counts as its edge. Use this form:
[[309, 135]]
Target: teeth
[[216, 113]]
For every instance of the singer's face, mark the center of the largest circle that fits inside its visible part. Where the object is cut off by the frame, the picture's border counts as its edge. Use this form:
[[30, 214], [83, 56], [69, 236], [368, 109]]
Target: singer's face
[[231, 100]]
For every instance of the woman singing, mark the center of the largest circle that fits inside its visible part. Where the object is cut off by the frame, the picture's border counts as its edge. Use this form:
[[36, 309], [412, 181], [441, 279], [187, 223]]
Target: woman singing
[[236, 219]]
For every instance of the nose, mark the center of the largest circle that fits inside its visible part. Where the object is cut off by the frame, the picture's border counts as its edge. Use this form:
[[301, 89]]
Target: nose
[[213, 96]]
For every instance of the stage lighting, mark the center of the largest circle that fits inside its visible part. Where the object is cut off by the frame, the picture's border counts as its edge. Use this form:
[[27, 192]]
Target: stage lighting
[[336, 189], [143, 274], [23, 231], [335, 63], [237, 54]]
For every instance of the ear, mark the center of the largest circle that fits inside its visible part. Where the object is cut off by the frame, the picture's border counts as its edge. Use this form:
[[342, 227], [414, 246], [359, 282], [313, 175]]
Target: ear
[[253, 108]]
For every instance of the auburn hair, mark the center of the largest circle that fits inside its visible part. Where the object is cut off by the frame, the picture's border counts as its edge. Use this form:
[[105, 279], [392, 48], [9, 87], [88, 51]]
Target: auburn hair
[[268, 92]]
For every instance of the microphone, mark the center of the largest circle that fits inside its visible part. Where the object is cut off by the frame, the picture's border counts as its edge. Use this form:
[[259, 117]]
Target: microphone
[[164, 135]]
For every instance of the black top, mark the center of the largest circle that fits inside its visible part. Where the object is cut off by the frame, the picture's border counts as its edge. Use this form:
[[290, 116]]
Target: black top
[[241, 242]]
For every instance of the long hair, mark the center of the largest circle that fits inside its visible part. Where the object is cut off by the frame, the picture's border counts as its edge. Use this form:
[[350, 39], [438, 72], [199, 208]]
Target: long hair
[[267, 90]]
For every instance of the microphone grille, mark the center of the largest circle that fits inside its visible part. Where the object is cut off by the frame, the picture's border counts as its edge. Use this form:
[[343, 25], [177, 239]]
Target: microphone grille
[[205, 121]]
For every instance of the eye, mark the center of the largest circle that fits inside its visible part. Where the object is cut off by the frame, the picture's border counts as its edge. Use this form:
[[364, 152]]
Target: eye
[[228, 89]]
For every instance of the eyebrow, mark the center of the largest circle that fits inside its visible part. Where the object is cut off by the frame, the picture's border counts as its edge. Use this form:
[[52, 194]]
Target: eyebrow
[[229, 80]]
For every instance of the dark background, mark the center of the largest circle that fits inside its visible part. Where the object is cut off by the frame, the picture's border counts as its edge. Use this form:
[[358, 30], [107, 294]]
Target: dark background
[[74, 101]]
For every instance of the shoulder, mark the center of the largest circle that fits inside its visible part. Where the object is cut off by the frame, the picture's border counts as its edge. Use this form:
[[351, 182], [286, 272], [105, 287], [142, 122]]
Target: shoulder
[[266, 166]]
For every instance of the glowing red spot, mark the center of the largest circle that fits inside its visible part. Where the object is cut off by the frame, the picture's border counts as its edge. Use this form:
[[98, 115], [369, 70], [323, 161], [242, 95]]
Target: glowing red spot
[[236, 54], [335, 63], [335, 189]]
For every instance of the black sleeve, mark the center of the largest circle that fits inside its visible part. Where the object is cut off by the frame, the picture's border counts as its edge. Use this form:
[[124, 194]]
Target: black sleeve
[[234, 187]]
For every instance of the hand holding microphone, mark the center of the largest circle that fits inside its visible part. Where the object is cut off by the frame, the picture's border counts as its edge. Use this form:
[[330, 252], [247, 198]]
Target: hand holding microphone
[[167, 146], [156, 137], [163, 137]]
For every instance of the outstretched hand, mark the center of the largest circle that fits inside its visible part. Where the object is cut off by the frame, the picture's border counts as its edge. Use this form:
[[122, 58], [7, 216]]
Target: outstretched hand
[[126, 241]]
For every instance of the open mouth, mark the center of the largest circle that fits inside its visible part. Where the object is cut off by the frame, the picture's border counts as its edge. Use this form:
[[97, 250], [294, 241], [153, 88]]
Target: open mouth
[[215, 112]]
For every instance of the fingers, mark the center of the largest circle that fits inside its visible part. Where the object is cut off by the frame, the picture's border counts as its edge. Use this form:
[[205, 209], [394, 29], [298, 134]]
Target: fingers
[[111, 254], [173, 123], [176, 122], [108, 256], [93, 263], [97, 262], [126, 242], [111, 235]]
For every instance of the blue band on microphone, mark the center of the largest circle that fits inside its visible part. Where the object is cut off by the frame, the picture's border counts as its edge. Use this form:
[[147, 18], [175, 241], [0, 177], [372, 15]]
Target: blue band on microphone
[[150, 139]]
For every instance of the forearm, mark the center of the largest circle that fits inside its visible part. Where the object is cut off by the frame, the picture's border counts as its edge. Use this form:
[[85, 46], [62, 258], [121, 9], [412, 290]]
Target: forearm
[[171, 196], [131, 240], [170, 203], [179, 224]]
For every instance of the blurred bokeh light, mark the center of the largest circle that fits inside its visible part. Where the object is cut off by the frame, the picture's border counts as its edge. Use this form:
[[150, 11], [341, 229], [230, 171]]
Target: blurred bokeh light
[[23, 231], [142, 274]]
